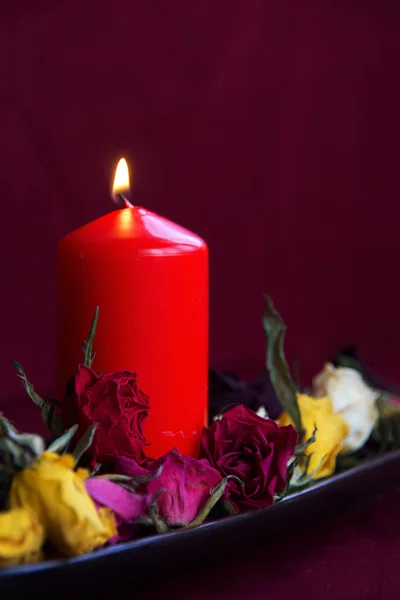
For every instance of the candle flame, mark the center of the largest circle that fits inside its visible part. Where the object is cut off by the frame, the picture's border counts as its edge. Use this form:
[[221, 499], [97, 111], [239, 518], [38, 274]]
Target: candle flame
[[121, 186], [121, 179]]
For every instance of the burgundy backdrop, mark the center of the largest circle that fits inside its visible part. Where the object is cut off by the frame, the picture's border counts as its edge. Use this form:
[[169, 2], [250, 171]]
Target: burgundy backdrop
[[270, 128]]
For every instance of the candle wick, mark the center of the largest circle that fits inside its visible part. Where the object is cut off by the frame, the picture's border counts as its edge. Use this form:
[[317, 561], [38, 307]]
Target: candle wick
[[121, 199]]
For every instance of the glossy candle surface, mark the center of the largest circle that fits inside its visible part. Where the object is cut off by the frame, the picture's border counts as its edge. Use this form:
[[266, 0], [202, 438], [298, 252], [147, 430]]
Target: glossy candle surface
[[149, 277]]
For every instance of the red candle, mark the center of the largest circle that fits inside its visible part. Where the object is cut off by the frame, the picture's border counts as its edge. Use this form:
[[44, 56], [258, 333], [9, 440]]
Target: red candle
[[149, 277]]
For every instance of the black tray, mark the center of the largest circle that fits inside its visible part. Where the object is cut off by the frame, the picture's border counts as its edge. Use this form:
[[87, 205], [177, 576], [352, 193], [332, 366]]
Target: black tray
[[161, 556]]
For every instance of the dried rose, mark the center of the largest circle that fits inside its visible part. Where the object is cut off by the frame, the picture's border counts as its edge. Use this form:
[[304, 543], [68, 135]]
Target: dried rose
[[117, 405], [126, 505], [352, 398], [56, 494], [225, 390], [181, 489], [331, 431], [21, 537], [255, 450]]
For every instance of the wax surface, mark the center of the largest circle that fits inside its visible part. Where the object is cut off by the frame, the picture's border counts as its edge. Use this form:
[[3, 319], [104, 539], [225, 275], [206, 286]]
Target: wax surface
[[149, 277]]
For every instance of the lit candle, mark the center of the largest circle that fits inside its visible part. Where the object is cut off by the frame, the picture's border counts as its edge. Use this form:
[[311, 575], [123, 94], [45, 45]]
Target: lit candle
[[149, 277]]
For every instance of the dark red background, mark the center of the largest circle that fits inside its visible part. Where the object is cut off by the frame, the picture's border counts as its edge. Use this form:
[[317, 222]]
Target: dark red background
[[269, 127]]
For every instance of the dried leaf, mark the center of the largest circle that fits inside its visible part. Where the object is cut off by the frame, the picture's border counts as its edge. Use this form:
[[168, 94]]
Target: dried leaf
[[141, 479], [29, 442], [84, 443], [306, 478], [61, 444], [28, 385], [87, 346], [229, 508], [50, 417], [300, 448], [277, 366], [289, 474], [20, 457], [132, 482], [159, 524], [387, 429], [215, 494]]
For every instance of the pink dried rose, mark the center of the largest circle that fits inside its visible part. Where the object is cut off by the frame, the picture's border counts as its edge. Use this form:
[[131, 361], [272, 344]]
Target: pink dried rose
[[117, 405], [181, 490], [253, 449], [126, 505]]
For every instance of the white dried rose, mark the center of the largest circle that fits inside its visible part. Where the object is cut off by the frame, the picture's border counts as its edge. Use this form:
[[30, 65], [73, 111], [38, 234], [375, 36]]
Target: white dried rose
[[218, 417], [352, 398], [261, 412]]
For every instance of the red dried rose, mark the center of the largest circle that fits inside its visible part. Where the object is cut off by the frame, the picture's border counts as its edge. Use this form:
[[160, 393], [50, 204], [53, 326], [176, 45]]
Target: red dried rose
[[117, 405], [254, 449]]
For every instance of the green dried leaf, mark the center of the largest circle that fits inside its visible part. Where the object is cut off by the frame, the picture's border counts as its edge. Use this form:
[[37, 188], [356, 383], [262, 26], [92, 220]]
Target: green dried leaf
[[387, 429], [306, 478], [28, 442], [87, 346], [28, 385], [304, 481], [114, 477], [95, 469], [296, 373], [84, 443], [289, 474], [306, 462], [20, 457], [124, 481], [133, 482], [52, 418], [159, 524], [61, 444], [215, 494], [229, 508], [277, 366], [141, 479], [300, 448]]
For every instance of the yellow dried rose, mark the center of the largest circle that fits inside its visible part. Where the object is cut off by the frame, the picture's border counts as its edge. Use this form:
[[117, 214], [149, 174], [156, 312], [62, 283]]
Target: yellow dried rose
[[331, 431], [57, 495], [21, 537]]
